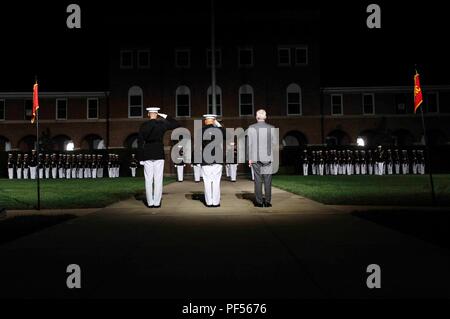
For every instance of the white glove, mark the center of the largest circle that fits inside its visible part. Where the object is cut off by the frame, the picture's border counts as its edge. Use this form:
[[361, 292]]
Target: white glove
[[141, 162], [162, 115], [217, 124]]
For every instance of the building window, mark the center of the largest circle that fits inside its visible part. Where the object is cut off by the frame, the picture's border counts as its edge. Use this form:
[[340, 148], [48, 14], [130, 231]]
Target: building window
[[92, 109], [218, 58], [431, 102], [126, 59], [336, 104], [183, 58], [183, 101], [284, 56], [368, 100], [143, 59], [245, 57], [400, 104], [245, 100], [2, 110], [61, 109], [301, 55], [218, 100], [135, 103], [294, 99], [28, 110]]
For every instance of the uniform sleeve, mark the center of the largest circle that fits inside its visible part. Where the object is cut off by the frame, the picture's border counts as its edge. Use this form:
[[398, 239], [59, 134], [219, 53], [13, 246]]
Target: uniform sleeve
[[171, 123]]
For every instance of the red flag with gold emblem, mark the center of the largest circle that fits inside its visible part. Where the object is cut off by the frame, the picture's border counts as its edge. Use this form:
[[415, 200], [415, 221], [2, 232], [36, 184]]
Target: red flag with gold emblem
[[418, 98], [35, 102]]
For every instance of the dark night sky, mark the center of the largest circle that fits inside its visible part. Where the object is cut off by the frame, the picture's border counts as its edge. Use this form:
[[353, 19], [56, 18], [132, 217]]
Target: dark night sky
[[35, 40]]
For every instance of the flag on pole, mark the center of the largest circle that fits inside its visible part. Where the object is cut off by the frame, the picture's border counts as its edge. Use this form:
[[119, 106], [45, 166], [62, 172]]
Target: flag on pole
[[35, 101], [418, 98]]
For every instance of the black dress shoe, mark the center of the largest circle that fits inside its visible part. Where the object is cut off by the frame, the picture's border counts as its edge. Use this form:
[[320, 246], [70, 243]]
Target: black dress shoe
[[159, 206], [259, 205], [215, 205], [151, 206], [267, 205]]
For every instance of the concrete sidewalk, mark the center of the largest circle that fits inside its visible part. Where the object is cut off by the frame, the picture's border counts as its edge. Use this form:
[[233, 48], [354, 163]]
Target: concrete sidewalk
[[296, 249]]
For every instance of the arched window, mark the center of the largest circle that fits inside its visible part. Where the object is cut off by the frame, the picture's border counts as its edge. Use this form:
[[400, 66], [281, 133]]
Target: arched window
[[135, 102], [246, 100], [218, 100], [294, 99], [183, 101]]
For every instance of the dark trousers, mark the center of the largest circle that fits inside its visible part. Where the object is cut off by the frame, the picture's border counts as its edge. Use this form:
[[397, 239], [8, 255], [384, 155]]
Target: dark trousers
[[259, 180]]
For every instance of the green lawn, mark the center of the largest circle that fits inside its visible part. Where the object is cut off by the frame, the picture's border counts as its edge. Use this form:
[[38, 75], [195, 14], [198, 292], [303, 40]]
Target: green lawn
[[410, 190], [71, 193]]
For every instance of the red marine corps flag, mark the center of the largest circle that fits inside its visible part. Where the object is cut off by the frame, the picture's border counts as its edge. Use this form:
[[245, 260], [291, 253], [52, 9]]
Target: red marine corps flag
[[418, 99], [35, 102]]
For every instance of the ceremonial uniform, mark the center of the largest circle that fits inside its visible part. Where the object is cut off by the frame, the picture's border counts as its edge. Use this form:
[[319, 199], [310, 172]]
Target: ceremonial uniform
[[100, 166], [33, 164], [357, 163], [212, 171], [233, 166], [47, 166], [74, 165], [379, 157], [397, 162], [405, 162], [133, 165], [389, 163], [151, 153], [363, 163], [180, 165], [19, 166], [40, 166], [414, 162], [26, 165], [305, 163], [61, 166], [54, 166], [10, 166]]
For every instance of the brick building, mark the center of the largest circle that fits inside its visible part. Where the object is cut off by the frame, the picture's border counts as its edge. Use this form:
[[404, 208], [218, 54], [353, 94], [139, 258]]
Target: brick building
[[262, 60]]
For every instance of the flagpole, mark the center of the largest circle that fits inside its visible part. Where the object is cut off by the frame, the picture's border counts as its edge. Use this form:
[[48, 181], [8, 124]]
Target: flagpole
[[37, 154], [425, 139]]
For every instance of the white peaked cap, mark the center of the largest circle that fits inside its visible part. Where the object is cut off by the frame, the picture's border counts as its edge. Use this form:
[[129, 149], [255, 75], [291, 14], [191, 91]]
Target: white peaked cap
[[153, 109], [209, 116]]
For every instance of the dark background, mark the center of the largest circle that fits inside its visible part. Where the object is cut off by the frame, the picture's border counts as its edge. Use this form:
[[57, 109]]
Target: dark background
[[35, 39]]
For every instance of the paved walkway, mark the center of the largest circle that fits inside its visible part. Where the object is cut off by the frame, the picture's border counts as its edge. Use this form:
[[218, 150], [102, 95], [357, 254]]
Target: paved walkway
[[296, 249]]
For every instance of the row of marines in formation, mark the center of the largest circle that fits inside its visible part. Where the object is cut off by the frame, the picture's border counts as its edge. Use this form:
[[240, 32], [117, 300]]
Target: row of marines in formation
[[31, 166], [362, 162]]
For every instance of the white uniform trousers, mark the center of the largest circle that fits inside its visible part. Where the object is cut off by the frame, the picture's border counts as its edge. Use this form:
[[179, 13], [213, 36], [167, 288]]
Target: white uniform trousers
[[227, 170], [10, 173], [390, 168], [117, 172], [61, 173], [33, 172], [233, 171], [153, 173], [54, 172], [305, 169], [94, 173], [414, 169], [321, 167], [327, 169], [197, 172], [74, 173], [100, 172], [87, 172], [19, 173], [370, 169], [335, 169], [422, 169], [253, 173], [313, 169], [25, 173], [380, 168], [397, 168], [133, 171], [363, 169], [180, 171], [405, 169], [68, 173], [110, 172], [357, 169], [211, 179], [47, 172], [80, 173], [41, 173]]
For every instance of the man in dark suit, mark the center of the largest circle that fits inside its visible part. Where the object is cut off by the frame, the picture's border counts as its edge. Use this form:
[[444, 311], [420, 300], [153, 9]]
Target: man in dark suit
[[151, 152]]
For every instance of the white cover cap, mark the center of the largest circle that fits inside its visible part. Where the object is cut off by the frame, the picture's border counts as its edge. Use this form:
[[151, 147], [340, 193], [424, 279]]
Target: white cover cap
[[209, 116], [153, 109]]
